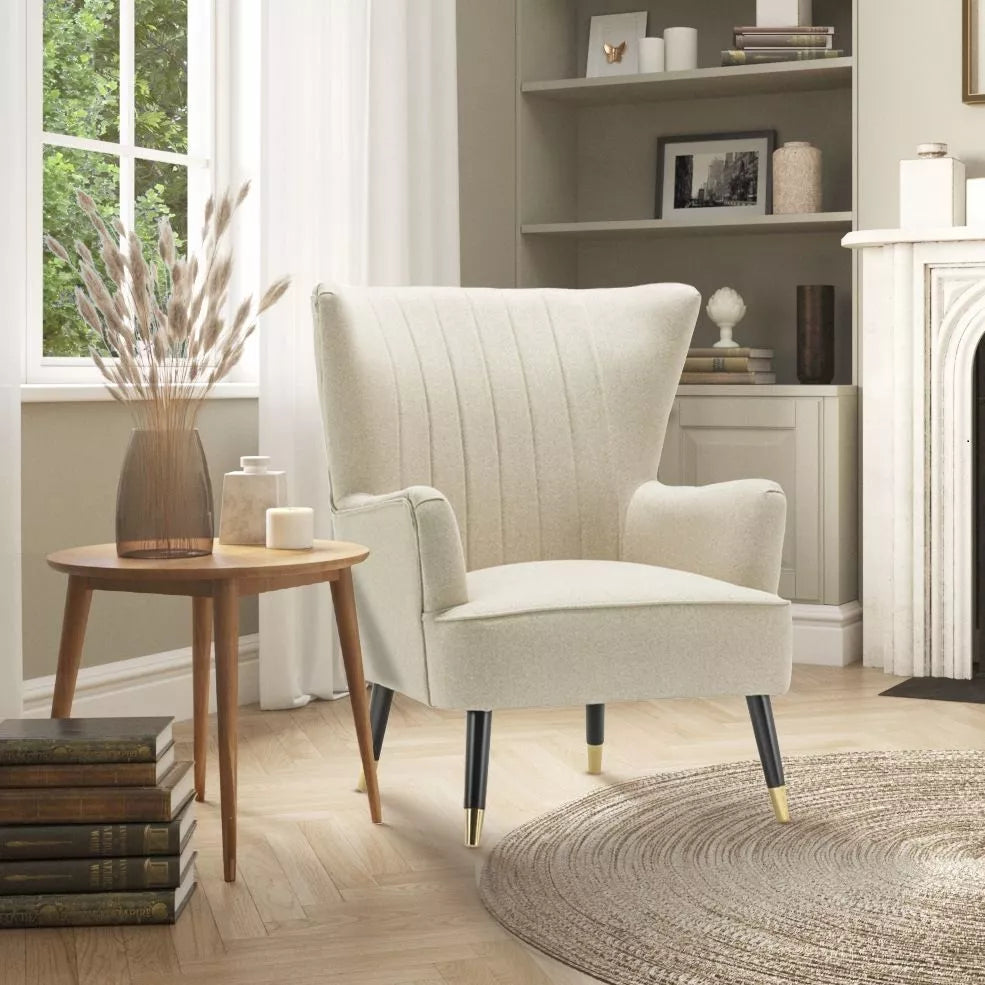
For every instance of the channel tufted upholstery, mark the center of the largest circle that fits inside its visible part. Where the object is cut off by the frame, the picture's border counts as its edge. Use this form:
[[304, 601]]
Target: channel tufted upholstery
[[497, 451], [471, 429]]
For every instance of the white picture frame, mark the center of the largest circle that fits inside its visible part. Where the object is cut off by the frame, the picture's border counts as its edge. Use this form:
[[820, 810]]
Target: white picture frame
[[615, 30]]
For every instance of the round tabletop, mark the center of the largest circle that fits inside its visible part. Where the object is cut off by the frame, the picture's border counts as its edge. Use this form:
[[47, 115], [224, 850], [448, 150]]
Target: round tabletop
[[226, 561]]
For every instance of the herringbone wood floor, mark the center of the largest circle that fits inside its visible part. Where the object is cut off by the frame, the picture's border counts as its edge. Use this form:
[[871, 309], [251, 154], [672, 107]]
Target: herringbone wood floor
[[325, 897]]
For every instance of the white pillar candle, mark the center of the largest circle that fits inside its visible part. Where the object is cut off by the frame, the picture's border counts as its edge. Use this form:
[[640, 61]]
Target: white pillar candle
[[681, 53], [651, 55], [290, 528]]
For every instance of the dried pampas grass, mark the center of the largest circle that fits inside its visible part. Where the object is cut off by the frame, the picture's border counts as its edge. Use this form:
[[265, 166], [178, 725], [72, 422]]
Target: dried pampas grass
[[168, 346]]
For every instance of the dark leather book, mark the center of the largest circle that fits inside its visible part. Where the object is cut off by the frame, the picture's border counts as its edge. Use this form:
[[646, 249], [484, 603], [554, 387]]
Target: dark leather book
[[76, 805], [88, 774], [84, 875], [84, 740], [38, 841], [98, 909]]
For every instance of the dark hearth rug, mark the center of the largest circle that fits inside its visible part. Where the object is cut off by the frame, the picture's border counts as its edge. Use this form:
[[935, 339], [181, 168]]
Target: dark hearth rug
[[940, 689]]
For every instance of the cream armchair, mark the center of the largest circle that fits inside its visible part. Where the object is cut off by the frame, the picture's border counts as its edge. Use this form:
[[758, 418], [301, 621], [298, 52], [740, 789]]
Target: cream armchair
[[497, 452]]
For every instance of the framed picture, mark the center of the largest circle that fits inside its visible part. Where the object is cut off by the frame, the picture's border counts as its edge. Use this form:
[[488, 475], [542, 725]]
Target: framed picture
[[704, 177], [614, 44], [973, 73]]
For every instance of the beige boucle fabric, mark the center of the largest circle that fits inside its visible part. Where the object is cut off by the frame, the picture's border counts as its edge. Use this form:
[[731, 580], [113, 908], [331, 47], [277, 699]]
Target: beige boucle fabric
[[471, 429], [603, 631], [687, 879]]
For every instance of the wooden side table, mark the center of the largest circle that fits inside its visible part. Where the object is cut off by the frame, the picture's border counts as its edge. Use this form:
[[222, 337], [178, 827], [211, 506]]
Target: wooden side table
[[215, 584]]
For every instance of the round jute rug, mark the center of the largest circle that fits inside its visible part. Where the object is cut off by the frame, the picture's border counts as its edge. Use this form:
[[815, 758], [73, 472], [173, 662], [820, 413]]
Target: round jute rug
[[686, 877]]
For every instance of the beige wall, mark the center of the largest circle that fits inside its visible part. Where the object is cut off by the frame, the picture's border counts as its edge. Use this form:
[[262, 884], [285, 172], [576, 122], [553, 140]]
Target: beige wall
[[71, 457], [909, 78], [487, 141]]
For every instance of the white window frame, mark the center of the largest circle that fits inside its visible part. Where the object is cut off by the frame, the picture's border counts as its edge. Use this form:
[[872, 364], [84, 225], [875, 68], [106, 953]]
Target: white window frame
[[48, 377]]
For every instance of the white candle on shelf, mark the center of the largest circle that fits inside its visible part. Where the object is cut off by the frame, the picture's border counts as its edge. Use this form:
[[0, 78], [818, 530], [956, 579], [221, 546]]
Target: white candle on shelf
[[651, 55], [290, 528]]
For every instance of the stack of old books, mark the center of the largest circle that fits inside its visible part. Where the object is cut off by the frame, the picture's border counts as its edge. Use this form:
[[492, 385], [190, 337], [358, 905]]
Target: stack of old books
[[729, 366], [761, 45], [96, 821]]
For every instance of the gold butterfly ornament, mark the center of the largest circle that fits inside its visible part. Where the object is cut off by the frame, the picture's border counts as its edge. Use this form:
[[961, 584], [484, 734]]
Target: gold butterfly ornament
[[613, 52]]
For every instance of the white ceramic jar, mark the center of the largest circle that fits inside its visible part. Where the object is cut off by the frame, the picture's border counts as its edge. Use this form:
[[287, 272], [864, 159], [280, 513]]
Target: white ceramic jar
[[796, 178], [246, 497], [932, 189]]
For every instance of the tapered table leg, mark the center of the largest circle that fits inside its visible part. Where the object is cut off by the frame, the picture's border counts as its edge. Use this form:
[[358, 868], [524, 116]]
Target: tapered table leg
[[201, 660], [345, 618], [77, 600], [226, 615]]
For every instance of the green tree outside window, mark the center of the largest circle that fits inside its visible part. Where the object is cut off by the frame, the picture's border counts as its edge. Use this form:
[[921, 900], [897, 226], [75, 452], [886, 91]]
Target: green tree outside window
[[81, 98]]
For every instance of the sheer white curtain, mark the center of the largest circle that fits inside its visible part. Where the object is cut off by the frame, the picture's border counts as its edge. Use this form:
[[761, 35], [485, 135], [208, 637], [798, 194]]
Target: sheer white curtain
[[15, 279], [358, 182]]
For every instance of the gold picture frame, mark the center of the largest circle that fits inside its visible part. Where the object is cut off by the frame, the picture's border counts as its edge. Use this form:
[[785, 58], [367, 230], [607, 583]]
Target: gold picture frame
[[973, 52]]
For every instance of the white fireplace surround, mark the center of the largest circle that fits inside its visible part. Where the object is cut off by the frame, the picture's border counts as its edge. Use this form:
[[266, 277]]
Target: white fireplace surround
[[922, 318]]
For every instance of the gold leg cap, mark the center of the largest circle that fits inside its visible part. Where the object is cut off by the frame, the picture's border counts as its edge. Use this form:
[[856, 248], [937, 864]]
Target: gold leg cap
[[361, 782], [778, 798], [473, 826], [595, 759]]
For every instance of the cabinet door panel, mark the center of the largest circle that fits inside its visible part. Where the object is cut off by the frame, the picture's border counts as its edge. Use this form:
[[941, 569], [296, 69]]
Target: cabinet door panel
[[717, 443]]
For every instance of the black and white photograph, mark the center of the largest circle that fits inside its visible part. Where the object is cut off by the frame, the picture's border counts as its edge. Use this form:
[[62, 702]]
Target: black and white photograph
[[700, 177]]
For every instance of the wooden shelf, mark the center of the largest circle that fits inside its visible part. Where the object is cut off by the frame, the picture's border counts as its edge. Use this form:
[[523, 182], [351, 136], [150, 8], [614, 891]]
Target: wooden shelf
[[819, 222], [765, 390], [702, 83]]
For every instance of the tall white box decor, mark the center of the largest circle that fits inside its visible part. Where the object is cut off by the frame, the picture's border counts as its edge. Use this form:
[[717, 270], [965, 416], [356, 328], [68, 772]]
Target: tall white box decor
[[784, 13], [931, 190]]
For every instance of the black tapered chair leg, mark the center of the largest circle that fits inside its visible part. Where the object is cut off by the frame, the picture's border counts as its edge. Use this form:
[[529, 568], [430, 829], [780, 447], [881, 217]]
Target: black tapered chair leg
[[380, 699], [761, 713], [594, 736], [478, 725]]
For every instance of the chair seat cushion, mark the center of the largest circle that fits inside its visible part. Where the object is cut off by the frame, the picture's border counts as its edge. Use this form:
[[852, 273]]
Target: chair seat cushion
[[579, 632]]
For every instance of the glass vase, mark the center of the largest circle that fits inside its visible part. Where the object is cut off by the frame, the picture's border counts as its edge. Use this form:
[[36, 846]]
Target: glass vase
[[164, 499]]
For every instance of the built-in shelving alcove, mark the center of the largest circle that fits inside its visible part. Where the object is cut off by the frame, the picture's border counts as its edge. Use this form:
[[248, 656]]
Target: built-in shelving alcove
[[587, 159]]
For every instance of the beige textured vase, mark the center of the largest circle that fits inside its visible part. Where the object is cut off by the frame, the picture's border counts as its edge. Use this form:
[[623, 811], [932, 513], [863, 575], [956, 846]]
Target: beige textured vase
[[796, 178]]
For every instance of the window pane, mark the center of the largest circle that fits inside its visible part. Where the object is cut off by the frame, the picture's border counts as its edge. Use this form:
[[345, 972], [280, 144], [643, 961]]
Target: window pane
[[161, 69], [65, 172], [161, 192], [82, 68]]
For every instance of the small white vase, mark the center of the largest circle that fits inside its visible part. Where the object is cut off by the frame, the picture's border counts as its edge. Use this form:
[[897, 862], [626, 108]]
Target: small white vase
[[651, 55], [796, 178], [681, 49]]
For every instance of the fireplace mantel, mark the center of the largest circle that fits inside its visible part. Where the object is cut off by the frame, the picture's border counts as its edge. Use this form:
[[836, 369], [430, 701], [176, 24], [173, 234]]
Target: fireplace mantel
[[921, 319]]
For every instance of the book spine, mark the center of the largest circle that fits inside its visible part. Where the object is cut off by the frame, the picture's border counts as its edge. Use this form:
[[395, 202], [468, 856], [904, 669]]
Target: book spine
[[793, 28], [727, 378], [88, 876], [44, 841], [71, 805], [734, 57], [35, 751], [747, 41], [79, 775], [712, 364], [87, 909]]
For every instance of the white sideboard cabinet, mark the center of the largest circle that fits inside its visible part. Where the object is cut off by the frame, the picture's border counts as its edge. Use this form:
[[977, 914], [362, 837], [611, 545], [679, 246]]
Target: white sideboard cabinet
[[804, 438]]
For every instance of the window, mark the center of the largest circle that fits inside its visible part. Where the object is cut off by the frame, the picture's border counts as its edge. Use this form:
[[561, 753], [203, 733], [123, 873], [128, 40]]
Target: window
[[126, 116]]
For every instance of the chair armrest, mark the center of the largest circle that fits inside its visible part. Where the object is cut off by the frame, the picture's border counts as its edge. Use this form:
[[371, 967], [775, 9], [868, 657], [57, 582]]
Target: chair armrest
[[732, 531], [422, 535]]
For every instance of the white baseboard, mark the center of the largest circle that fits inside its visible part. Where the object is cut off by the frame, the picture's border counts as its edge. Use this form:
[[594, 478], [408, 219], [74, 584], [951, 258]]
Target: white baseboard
[[161, 683], [158, 684], [827, 635]]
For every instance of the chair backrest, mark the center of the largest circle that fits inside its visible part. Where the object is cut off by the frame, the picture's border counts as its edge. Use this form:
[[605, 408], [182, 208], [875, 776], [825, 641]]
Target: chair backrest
[[536, 412]]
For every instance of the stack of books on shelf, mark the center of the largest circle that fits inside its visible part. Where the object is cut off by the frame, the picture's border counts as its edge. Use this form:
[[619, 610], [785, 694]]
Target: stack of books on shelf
[[761, 45], [728, 366], [96, 823]]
